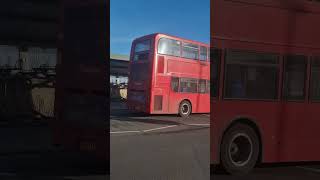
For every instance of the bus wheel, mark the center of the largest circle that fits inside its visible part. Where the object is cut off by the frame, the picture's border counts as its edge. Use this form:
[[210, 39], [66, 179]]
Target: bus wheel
[[239, 149], [185, 108]]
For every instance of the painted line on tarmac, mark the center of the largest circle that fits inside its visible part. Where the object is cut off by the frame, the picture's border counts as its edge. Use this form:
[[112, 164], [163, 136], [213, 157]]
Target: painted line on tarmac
[[154, 129], [309, 169], [208, 115], [142, 131]]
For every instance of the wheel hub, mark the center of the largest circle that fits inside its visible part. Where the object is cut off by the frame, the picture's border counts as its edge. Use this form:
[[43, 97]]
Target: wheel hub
[[240, 149], [185, 109]]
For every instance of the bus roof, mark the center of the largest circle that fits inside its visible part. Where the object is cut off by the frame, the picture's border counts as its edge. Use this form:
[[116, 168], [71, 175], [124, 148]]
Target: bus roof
[[170, 36]]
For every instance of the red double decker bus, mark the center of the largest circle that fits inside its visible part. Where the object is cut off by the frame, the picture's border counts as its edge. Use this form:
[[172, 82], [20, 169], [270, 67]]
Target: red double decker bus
[[169, 75], [81, 122], [265, 100]]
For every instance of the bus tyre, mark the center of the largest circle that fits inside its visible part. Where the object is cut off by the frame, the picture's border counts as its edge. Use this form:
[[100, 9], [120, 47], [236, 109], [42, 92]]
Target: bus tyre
[[239, 150], [185, 108]]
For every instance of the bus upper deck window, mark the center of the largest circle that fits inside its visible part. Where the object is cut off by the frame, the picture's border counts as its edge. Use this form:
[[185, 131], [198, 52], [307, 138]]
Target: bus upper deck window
[[203, 53], [190, 51], [169, 47], [141, 50]]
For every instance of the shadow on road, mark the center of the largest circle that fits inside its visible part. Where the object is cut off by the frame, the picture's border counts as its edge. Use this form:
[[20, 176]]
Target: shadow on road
[[160, 119], [217, 170], [146, 119], [283, 171], [51, 164]]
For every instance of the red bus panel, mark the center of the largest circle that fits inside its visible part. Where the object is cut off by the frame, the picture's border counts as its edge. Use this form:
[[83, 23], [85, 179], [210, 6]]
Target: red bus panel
[[286, 128]]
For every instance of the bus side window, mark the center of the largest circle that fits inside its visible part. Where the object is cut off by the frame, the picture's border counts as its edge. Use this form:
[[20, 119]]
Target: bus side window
[[188, 85], [251, 75], [190, 51], [315, 79], [208, 86], [203, 53], [215, 58], [295, 77], [202, 86], [175, 84]]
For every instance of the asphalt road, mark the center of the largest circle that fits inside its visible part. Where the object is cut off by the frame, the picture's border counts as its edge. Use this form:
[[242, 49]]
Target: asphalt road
[[160, 156], [177, 148], [159, 147], [142, 148], [289, 172]]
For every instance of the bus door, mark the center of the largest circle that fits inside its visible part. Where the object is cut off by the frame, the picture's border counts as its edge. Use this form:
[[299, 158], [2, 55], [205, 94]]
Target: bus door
[[161, 95]]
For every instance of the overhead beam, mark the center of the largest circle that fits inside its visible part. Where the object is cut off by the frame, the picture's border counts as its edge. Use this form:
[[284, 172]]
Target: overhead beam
[[22, 9], [28, 18]]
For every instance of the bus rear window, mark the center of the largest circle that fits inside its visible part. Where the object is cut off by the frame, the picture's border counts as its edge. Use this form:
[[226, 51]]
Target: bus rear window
[[141, 51], [142, 46]]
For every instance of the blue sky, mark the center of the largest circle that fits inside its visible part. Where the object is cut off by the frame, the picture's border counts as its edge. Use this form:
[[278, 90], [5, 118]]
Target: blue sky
[[130, 19]]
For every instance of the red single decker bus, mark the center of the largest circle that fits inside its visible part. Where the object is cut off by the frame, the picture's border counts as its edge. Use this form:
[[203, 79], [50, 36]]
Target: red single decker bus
[[169, 75], [266, 76]]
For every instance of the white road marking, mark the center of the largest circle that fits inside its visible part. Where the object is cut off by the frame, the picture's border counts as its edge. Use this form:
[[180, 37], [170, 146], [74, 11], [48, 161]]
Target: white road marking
[[208, 115], [154, 129], [165, 127], [198, 124], [309, 169], [141, 131]]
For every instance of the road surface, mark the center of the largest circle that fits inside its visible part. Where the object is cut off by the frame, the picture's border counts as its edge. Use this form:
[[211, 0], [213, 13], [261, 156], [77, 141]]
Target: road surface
[[159, 147], [26, 154]]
